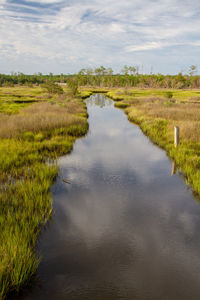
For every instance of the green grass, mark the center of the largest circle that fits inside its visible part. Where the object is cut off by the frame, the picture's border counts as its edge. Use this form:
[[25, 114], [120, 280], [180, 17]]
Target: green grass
[[27, 170], [120, 104], [13, 99], [87, 92], [180, 95]]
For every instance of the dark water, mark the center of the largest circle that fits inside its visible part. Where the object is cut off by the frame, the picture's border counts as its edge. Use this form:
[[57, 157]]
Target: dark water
[[124, 228]]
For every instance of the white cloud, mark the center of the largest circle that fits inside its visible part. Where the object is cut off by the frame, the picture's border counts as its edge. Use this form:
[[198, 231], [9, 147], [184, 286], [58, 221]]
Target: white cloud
[[148, 46], [95, 34], [196, 43], [115, 27]]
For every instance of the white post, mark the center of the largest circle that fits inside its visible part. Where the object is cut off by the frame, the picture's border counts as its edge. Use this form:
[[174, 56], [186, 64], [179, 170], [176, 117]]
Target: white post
[[176, 136]]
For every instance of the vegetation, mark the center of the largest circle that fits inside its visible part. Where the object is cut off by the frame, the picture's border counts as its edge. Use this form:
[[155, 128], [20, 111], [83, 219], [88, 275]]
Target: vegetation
[[53, 88], [157, 114], [130, 76], [73, 86], [32, 136]]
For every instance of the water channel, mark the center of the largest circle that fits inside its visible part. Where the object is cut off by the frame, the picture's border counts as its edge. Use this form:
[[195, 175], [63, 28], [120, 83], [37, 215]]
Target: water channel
[[124, 228]]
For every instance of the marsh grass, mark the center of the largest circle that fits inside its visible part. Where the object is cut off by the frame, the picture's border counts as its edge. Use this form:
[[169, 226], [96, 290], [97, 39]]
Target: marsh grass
[[179, 95], [40, 117], [13, 99], [38, 134], [120, 104], [87, 92], [157, 114]]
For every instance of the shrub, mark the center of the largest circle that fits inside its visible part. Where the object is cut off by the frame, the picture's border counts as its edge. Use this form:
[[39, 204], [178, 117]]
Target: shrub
[[39, 137], [53, 88], [73, 86], [28, 136], [168, 95]]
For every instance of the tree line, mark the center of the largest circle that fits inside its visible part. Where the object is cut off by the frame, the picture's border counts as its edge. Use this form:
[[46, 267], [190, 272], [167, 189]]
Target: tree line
[[129, 76]]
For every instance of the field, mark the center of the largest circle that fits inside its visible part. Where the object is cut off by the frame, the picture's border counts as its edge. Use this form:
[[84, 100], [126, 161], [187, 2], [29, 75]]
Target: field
[[157, 112], [35, 128]]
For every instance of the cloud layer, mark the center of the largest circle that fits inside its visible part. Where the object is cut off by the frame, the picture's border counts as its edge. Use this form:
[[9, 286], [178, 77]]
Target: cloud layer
[[64, 36]]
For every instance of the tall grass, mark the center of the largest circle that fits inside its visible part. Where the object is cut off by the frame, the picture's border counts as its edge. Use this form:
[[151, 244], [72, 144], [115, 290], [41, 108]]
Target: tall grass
[[30, 139], [39, 117]]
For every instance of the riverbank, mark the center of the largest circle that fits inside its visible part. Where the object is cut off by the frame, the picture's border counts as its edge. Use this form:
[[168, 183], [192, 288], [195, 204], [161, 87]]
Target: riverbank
[[157, 112], [35, 128]]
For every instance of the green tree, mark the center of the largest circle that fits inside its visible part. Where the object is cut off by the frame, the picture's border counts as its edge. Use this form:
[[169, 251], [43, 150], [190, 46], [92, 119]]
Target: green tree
[[192, 70]]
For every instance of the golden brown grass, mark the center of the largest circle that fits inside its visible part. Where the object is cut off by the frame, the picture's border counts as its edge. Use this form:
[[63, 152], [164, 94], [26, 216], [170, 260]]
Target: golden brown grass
[[40, 117], [186, 116]]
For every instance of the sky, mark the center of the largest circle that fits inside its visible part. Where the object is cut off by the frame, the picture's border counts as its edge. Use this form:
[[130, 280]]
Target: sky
[[159, 36]]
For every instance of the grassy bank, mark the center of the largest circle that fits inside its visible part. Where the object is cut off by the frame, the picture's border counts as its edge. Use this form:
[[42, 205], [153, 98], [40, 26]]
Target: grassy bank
[[157, 112], [35, 128]]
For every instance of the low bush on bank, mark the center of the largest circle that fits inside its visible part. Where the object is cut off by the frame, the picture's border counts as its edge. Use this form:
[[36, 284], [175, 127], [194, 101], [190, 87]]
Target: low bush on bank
[[121, 104]]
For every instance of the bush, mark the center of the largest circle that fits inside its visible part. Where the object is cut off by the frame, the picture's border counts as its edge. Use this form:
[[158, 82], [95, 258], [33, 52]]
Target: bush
[[29, 136], [168, 95], [121, 104], [53, 88], [73, 86], [39, 137]]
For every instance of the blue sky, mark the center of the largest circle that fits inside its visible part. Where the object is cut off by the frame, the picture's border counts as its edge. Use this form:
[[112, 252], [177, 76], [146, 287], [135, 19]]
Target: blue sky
[[64, 36]]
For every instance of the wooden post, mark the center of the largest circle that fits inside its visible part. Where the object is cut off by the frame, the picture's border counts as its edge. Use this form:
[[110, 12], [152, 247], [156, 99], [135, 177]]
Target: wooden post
[[173, 168], [176, 136]]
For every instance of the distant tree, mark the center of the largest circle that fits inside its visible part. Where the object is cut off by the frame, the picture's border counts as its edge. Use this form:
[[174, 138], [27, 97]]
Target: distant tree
[[109, 71], [129, 70], [89, 71], [192, 70], [100, 71], [82, 72], [125, 70], [132, 70]]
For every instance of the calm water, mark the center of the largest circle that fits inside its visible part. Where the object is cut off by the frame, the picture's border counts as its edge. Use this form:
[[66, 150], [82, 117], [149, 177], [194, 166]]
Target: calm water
[[124, 228]]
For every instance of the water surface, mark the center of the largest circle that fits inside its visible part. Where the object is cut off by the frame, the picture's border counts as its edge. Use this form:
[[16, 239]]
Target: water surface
[[124, 228]]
